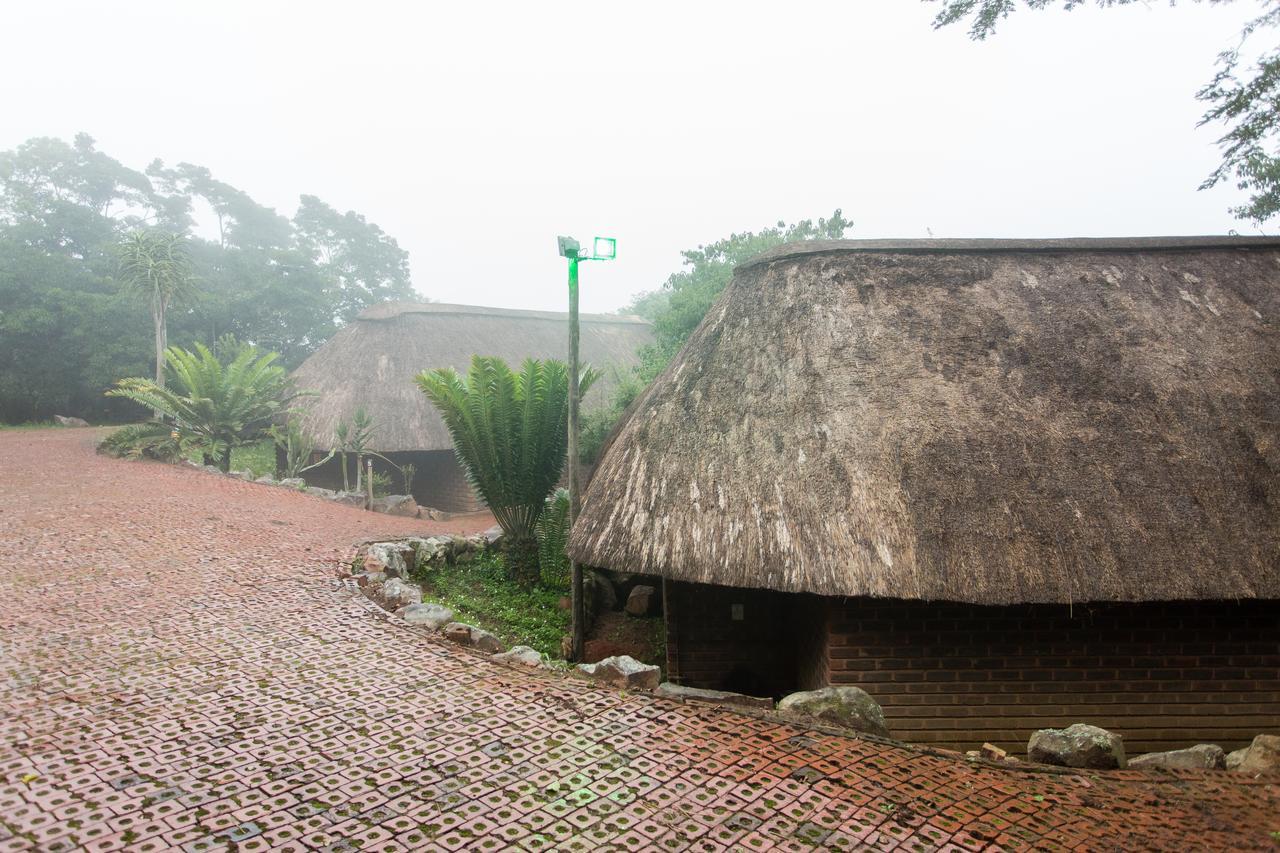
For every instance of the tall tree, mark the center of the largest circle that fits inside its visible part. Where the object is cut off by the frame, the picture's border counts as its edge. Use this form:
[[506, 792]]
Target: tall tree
[[155, 265], [67, 328], [1248, 105], [365, 266]]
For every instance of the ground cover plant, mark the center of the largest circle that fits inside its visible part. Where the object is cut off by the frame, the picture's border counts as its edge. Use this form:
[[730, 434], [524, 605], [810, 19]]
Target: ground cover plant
[[483, 593]]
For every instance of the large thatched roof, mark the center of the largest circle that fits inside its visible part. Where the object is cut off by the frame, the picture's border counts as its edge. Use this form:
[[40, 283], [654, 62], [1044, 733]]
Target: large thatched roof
[[980, 421], [371, 362]]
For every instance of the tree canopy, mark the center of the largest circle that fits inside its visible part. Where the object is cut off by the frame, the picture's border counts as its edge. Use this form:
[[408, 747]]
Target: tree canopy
[[67, 331], [679, 305], [1244, 98]]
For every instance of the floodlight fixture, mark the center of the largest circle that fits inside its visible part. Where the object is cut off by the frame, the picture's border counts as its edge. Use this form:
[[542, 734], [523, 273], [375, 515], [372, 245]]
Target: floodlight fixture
[[604, 249], [569, 247]]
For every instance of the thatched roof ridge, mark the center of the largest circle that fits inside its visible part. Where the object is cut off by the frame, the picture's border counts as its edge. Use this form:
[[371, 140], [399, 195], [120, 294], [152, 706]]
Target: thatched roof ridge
[[371, 362], [993, 246], [392, 310], [1020, 421]]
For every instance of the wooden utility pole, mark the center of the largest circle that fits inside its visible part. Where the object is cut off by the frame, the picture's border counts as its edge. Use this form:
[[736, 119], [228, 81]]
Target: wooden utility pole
[[579, 602]]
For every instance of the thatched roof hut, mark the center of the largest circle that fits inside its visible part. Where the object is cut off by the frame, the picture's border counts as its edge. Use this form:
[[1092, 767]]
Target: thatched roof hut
[[371, 363], [965, 420]]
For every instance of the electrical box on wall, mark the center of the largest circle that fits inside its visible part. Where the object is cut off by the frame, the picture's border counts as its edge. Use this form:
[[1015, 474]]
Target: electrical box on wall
[[735, 612]]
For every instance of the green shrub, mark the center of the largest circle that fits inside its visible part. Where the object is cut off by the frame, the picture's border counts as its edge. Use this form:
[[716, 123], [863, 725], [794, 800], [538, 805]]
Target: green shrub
[[509, 430], [381, 484], [553, 535], [144, 441]]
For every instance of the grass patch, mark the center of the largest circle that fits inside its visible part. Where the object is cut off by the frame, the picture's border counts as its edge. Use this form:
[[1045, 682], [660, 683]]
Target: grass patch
[[31, 425], [259, 457], [480, 594]]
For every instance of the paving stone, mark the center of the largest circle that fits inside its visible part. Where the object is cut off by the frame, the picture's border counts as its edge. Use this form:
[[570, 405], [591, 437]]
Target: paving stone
[[179, 665]]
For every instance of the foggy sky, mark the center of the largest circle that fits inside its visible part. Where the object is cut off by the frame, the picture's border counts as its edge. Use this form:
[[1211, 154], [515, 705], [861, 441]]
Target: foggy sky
[[474, 133]]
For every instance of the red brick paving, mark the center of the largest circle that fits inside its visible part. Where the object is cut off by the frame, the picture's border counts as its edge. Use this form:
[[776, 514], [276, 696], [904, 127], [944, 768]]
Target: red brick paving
[[181, 671]]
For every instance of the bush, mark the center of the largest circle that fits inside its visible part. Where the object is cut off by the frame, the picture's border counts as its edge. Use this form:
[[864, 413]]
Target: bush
[[144, 441], [553, 535], [509, 431]]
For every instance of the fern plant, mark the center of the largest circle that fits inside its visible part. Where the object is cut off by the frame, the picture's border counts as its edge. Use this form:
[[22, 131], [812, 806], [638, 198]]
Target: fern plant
[[510, 434], [553, 535], [216, 406]]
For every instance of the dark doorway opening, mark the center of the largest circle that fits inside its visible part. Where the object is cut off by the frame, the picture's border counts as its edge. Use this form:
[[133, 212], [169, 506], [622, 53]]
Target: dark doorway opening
[[757, 642]]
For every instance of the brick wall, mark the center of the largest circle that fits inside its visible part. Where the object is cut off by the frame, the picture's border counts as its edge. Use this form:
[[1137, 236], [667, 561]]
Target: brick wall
[[1163, 675], [952, 675]]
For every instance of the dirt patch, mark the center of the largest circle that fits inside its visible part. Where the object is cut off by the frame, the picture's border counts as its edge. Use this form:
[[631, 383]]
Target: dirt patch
[[616, 633]]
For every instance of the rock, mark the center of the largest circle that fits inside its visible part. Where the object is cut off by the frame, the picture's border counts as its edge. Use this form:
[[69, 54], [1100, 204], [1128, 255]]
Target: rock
[[434, 616], [603, 597], [434, 550], [641, 600], [469, 635], [318, 492], [623, 671], [397, 593], [991, 752], [70, 421], [493, 538], [845, 706], [266, 480], [246, 475], [395, 556], [1205, 756], [213, 469], [667, 690], [372, 578], [1262, 756], [522, 655], [1235, 757], [403, 505], [486, 642], [348, 498], [1078, 745], [293, 483], [428, 551]]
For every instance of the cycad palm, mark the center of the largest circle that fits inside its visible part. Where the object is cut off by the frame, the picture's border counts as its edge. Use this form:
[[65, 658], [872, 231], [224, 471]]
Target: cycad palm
[[155, 264], [222, 406], [510, 433]]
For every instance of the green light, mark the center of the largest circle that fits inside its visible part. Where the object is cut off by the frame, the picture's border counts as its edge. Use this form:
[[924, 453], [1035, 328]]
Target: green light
[[605, 249]]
